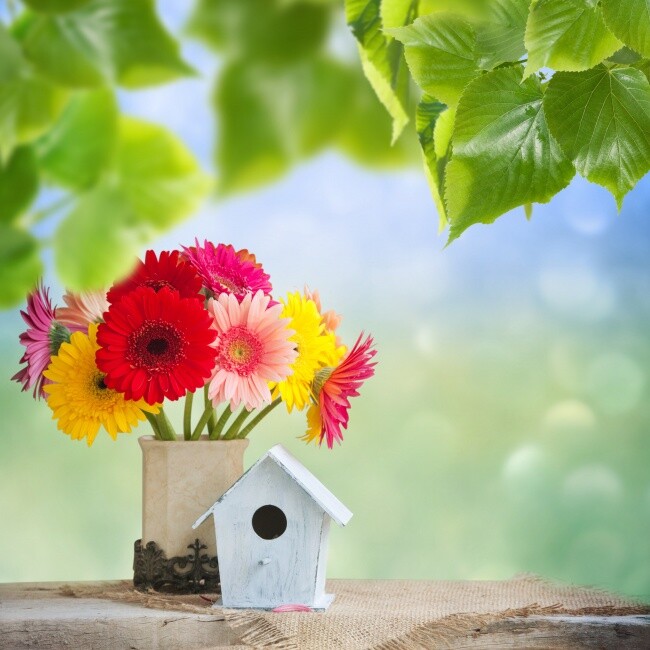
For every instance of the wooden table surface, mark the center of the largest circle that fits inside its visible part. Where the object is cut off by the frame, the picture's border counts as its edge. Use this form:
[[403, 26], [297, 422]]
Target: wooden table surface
[[52, 615]]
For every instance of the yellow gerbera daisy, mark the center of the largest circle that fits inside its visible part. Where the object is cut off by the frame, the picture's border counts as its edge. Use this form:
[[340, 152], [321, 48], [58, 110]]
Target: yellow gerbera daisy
[[315, 347], [79, 398]]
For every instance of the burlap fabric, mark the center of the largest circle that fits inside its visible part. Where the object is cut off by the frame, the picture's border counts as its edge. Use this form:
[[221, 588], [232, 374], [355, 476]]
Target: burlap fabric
[[395, 614]]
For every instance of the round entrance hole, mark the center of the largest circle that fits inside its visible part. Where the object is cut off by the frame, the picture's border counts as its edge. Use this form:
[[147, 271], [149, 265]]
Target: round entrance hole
[[269, 522]]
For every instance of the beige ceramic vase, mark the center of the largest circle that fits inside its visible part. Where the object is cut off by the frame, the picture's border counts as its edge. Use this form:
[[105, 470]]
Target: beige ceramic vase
[[180, 481]]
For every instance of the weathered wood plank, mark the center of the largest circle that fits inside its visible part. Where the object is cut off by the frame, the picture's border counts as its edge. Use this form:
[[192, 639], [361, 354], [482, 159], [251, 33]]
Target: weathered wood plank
[[49, 616], [104, 625], [560, 633]]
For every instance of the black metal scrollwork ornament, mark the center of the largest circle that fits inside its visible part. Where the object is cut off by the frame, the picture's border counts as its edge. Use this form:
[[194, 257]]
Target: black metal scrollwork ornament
[[193, 573]]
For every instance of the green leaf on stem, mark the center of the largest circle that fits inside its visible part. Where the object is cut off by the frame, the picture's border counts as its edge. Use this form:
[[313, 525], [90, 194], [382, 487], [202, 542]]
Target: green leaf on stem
[[503, 153], [18, 183], [567, 35], [28, 104], [500, 29], [272, 116], [441, 54], [158, 175], [381, 55], [629, 20], [80, 146], [427, 117], [271, 31], [98, 241], [55, 6], [20, 265], [366, 129], [528, 211], [601, 119], [104, 42]]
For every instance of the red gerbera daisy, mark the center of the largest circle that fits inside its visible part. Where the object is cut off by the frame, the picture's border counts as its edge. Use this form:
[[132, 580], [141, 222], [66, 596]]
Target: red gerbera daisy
[[158, 272], [156, 345], [332, 389], [225, 270]]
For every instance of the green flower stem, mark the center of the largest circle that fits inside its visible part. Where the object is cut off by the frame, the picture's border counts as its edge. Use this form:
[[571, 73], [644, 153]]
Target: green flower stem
[[258, 418], [236, 425], [218, 428], [212, 422], [154, 425], [187, 416], [202, 422], [166, 428]]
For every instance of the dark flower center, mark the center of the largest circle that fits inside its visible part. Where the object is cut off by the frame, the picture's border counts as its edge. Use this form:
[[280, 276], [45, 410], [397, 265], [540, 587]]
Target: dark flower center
[[156, 346], [99, 388], [157, 285]]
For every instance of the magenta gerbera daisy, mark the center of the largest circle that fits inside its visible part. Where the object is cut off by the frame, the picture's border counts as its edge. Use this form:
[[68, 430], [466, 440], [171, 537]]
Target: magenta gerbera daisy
[[42, 340], [332, 389], [165, 270], [225, 270], [156, 345], [253, 348]]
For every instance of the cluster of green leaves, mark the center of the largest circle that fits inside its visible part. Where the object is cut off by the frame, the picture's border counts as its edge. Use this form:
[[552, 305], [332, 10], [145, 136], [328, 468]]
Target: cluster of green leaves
[[121, 180], [516, 95], [282, 95]]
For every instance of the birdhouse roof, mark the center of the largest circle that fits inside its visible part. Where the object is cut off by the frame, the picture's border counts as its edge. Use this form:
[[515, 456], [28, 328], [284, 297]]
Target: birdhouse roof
[[302, 476]]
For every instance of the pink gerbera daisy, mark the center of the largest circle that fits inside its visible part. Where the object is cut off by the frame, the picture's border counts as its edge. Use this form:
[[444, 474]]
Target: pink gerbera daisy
[[253, 348], [225, 270], [332, 389], [42, 340], [82, 309]]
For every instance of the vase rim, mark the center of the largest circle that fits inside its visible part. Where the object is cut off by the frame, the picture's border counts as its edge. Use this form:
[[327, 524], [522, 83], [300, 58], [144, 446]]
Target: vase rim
[[150, 440]]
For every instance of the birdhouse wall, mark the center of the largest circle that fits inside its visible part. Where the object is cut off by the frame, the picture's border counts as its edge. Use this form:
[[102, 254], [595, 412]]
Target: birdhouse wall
[[266, 573], [322, 557]]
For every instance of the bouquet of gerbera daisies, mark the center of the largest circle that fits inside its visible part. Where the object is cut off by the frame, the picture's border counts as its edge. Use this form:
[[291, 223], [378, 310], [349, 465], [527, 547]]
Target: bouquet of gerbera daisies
[[202, 317]]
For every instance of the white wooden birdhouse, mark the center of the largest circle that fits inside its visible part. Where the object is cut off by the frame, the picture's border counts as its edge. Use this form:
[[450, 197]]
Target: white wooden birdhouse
[[272, 528]]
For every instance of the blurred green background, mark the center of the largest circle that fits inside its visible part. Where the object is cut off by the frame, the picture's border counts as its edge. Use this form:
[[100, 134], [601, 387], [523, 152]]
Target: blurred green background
[[506, 430]]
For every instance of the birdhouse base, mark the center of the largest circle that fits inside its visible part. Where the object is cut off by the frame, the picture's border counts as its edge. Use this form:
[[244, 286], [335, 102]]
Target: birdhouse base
[[320, 605]]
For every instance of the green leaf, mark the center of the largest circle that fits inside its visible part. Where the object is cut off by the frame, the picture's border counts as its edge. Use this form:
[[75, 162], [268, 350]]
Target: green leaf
[[503, 153], [98, 241], [500, 32], [441, 54], [20, 265], [18, 183], [434, 149], [528, 211], [644, 66], [264, 30], [272, 116], [567, 35], [159, 177], [104, 42], [382, 56], [468, 9], [76, 151], [625, 55], [601, 119], [55, 6], [366, 128], [28, 104], [629, 20]]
